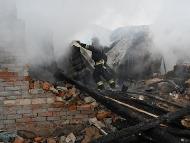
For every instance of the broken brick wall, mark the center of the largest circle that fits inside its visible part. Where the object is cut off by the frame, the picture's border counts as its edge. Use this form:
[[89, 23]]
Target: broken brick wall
[[36, 110]]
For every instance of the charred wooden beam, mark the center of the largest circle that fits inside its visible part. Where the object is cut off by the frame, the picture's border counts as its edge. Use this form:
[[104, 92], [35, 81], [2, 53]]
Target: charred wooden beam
[[148, 106], [172, 134], [143, 126], [156, 97], [152, 96], [131, 106], [133, 138], [113, 106], [161, 135], [179, 132]]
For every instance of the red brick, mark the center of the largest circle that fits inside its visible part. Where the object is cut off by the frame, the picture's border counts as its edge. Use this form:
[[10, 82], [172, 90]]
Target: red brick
[[80, 116], [38, 106], [71, 113], [53, 118], [85, 107], [72, 108], [24, 120], [56, 113], [46, 86], [18, 140], [38, 139], [103, 114], [7, 83], [58, 105], [7, 74], [24, 111], [44, 124], [46, 114], [14, 116], [12, 88], [39, 110], [10, 127], [10, 110], [9, 102], [63, 113], [75, 121], [54, 109], [29, 115], [9, 121], [23, 101], [88, 112], [2, 89], [92, 115], [39, 119], [39, 101], [50, 100], [21, 83]]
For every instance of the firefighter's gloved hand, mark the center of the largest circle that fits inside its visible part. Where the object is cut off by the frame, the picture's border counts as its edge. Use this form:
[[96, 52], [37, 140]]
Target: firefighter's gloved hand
[[78, 41], [76, 44]]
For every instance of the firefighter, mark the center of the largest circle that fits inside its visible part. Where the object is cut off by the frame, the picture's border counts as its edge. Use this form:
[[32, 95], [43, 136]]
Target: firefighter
[[100, 59]]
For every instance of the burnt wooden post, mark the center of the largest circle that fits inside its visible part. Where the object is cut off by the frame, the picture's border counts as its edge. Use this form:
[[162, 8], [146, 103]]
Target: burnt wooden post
[[144, 125]]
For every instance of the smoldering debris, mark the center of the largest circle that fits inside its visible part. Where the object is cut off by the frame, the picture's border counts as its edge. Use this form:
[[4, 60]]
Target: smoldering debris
[[41, 31]]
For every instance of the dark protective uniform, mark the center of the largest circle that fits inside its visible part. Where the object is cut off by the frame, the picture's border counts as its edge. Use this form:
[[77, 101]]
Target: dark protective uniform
[[79, 69], [100, 71]]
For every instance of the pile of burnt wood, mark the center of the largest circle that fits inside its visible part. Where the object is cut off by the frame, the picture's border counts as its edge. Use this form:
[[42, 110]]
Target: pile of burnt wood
[[149, 116]]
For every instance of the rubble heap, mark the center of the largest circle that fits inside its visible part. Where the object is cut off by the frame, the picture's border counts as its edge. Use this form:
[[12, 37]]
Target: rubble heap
[[41, 107]]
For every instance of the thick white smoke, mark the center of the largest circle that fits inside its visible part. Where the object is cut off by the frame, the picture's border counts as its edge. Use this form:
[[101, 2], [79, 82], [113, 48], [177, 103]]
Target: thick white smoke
[[57, 22], [65, 20], [171, 32]]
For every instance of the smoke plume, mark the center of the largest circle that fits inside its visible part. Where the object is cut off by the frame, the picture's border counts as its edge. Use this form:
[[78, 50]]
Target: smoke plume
[[55, 23]]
